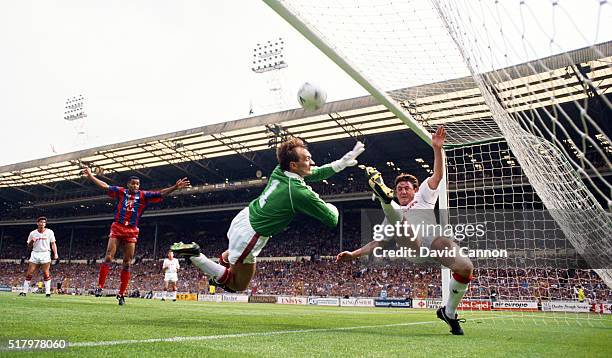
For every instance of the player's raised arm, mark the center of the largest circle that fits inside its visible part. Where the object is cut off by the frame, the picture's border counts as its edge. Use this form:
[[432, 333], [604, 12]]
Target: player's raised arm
[[180, 184], [99, 183], [437, 141], [326, 171]]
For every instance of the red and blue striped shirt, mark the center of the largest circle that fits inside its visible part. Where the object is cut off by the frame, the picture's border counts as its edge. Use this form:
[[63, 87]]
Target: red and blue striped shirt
[[129, 207]]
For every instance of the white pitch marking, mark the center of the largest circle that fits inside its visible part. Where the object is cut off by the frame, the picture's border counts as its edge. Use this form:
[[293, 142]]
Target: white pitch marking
[[239, 335]]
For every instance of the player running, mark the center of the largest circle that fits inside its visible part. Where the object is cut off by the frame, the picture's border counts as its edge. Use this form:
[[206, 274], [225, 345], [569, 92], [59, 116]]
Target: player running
[[130, 203], [40, 241], [170, 268], [416, 204], [286, 194]]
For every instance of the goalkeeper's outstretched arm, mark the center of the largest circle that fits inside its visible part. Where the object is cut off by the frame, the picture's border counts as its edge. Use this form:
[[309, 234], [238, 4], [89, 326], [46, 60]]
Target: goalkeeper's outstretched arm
[[326, 171]]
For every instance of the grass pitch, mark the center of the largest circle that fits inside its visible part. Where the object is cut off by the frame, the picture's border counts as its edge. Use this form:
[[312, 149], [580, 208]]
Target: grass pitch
[[99, 327]]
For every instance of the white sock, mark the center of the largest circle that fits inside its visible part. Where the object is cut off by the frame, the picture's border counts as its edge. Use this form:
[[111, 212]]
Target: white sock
[[392, 212], [456, 292], [26, 286], [164, 294], [174, 295], [208, 266], [48, 287]]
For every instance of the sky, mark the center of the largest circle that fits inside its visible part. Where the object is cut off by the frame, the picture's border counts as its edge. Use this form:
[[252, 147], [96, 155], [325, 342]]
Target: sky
[[148, 67], [144, 68]]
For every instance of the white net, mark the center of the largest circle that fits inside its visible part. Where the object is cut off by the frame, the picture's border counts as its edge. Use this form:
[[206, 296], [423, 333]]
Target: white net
[[522, 86], [486, 185]]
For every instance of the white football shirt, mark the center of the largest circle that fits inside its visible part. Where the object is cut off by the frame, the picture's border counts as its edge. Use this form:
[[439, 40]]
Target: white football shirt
[[42, 240], [172, 265]]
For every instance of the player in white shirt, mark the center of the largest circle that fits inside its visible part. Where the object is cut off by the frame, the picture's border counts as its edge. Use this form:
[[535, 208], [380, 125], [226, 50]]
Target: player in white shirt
[[170, 268], [416, 204], [41, 241]]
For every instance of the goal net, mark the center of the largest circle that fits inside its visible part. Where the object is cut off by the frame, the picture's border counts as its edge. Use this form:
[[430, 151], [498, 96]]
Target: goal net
[[523, 90]]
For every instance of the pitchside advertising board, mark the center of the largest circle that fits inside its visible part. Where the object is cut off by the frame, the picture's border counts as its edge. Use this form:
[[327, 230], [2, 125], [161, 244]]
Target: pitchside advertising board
[[180, 296], [324, 301], [292, 300], [262, 299], [475, 305], [527, 306], [210, 298], [393, 303], [357, 302], [426, 303], [565, 306], [158, 295], [235, 298], [605, 308], [187, 296]]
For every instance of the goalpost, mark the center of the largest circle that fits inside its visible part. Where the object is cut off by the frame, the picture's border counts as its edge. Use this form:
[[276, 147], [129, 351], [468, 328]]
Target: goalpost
[[522, 88]]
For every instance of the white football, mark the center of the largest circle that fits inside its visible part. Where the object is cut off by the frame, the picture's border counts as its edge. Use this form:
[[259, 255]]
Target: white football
[[311, 96]]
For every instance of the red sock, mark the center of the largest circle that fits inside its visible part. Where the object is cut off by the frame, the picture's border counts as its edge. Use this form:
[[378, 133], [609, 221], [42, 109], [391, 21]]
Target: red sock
[[125, 280], [462, 279], [104, 268]]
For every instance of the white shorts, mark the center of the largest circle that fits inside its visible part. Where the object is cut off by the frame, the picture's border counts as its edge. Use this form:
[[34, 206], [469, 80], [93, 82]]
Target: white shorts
[[171, 276], [244, 243], [40, 257]]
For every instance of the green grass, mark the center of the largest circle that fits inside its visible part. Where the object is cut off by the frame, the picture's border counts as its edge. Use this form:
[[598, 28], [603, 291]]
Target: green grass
[[252, 330]]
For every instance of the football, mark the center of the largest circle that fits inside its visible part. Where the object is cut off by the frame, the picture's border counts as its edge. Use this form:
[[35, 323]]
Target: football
[[311, 96]]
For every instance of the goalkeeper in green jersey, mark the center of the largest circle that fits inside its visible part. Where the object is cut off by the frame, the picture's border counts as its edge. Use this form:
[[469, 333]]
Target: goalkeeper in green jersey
[[286, 194]]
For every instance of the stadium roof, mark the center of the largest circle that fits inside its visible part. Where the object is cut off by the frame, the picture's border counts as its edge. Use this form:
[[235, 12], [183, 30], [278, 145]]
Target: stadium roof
[[457, 103]]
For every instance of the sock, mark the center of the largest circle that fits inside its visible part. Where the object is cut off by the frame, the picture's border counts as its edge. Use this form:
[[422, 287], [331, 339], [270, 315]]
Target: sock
[[48, 286], [125, 280], [208, 266], [26, 286], [392, 212], [174, 295], [457, 286], [164, 294], [223, 261], [104, 268]]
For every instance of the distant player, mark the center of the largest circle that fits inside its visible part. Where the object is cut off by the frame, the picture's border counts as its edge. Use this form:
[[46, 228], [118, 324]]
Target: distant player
[[416, 204], [130, 203], [170, 268], [580, 294], [286, 194], [41, 241]]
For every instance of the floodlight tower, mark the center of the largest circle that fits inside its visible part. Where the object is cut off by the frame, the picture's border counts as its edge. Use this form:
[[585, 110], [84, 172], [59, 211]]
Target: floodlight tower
[[74, 111], [268, 60]]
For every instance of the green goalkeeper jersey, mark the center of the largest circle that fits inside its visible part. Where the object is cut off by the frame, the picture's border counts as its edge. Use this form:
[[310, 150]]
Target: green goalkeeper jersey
[[287, 194]]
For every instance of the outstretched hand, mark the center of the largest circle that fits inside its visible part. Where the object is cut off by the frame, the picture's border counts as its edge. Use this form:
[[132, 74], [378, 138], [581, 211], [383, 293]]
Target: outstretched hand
[[86, 171], [437, 139], [350, 158], [182, 183]]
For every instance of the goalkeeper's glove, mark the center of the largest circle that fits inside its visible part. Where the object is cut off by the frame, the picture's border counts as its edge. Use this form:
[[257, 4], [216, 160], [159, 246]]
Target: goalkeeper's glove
[[349, 159]]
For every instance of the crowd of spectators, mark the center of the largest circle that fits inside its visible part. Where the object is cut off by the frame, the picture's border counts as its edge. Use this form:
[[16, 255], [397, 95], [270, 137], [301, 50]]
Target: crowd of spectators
[[325, 277], [92, 203], [305, 237]]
